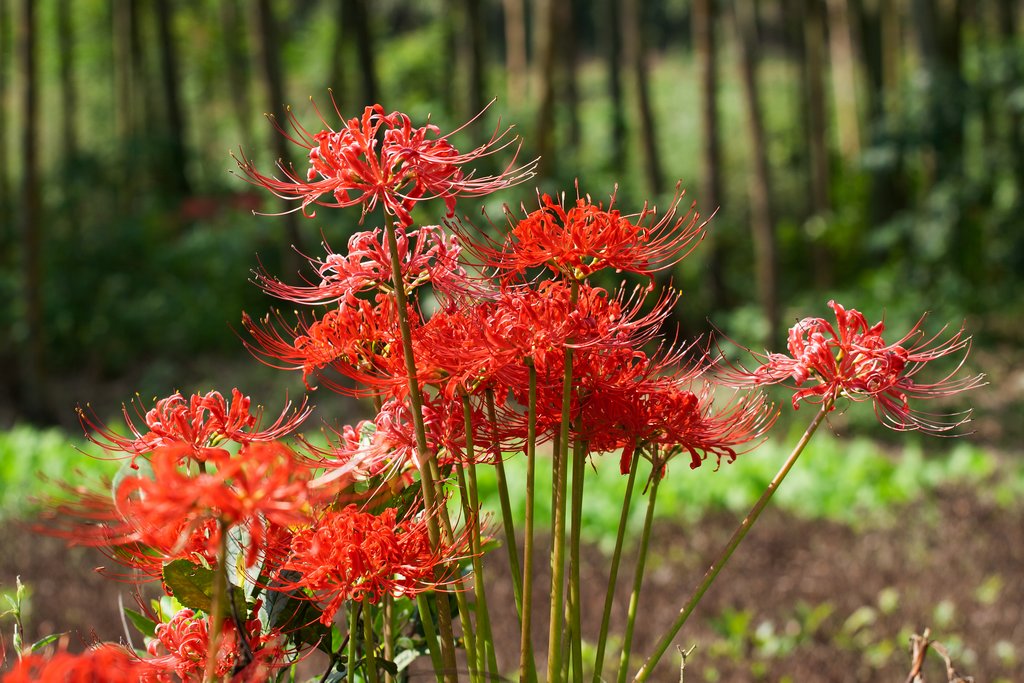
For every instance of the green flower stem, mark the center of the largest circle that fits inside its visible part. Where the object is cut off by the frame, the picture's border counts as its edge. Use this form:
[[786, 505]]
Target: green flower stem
[[485, 653], [613, 572], [527, 667], [368, 646], [389, 633], [737, 537], [468, 633], [353, 639], [560, 466], [217, 592], [576, 637], [430, 635], [426, 462], [507, 521], [638, 577]]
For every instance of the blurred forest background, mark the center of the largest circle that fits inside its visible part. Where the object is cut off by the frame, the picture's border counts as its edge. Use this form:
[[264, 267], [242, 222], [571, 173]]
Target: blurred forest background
[[871, 150]]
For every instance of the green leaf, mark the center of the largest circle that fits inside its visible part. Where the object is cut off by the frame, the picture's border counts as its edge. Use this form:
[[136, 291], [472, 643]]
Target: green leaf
[[192, 585], [43, 642], [145, 625]]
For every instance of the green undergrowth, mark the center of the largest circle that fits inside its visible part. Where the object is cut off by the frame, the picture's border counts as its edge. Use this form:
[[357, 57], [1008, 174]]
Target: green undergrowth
[[852, 481], [37, 464]]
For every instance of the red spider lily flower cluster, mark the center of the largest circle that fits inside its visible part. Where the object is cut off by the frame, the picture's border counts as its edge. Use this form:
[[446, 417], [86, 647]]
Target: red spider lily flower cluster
[[180, 648], [383, 159], [176, 510], [463, 369], [201, 423], [584, 238], [851, 359], [107, 662], [355, 555]]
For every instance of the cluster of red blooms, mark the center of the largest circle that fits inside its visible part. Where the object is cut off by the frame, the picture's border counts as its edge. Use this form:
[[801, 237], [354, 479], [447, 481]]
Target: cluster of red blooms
[[340, 523], [850, 359], [177, 652]]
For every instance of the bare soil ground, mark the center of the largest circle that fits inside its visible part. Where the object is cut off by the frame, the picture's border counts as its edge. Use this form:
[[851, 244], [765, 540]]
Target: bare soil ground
[[954, 563]]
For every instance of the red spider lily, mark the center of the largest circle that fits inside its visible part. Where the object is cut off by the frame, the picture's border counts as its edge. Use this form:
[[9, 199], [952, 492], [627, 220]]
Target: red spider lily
[[665, 413], [263, 484], [585, 238], [106, 662], [174, 514], [851, 359], [382, 159], [202, 423], [426, 255], [357, 340], [350, 554], [181, 648]]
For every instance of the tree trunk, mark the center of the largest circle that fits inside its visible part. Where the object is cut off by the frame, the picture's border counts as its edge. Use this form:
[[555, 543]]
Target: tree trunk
[[569, 58], [124, 70], [844, 77], [546, 13], [268, 43], [817, 132], [5, 179], [704, 44], [516, 66], [68, 93], [761, 219], [236, 58], [1007, 24], [880, 30], [611, 38], [636, 55], [358, 30], [176, 180], [33, 370], [474, 59]]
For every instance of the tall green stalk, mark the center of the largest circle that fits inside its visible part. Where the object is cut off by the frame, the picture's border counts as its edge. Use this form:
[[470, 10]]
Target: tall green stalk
[[430, 635], [638, 576], [560, 466], [215, 617], [370, 656], [389, 633], [486, 656], [353, 638], [613, 572], [424, 459], [737, 537], [527, 667], [468, 632], [507, 521], [576, 642]]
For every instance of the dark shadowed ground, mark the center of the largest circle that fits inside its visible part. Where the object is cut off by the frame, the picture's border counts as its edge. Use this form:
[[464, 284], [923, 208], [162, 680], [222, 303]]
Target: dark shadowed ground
[[803, 601]]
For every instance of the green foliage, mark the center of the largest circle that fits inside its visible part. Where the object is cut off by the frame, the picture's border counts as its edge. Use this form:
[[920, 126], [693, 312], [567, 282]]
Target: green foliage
[[33, 463], [850, 481]]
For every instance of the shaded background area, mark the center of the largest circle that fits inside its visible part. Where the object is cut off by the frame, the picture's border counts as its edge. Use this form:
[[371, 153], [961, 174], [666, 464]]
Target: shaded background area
[[854, 148]]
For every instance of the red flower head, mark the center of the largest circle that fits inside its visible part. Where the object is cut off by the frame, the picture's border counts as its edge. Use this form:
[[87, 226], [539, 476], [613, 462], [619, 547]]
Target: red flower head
[[354, 555], [382, 159], [107, 662], [201, 423], [579, 240], [356, 340], [181, 648], [851, 359], [173, 513], [428, 254]]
